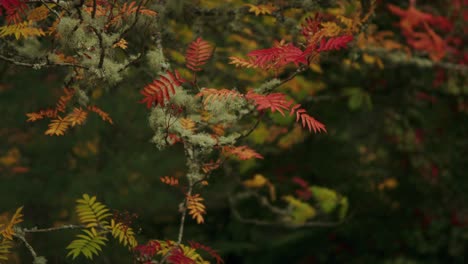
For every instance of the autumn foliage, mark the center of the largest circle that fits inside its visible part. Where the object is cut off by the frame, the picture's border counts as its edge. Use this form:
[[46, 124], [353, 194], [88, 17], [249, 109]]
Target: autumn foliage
[[241, 98]]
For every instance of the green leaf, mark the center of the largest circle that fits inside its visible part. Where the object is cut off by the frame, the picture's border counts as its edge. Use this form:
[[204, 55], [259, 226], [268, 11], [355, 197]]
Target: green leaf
[[327, 199]]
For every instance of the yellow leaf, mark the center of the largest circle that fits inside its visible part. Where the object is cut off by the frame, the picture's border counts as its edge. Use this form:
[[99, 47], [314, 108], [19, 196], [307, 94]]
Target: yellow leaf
[[40, 13], [122, 43], [77, 117], [24, 29], [330, 29], [258, 181], [58, 127], [196, 207], [261, 9], [187, 124], [8, 231], [316, 68]]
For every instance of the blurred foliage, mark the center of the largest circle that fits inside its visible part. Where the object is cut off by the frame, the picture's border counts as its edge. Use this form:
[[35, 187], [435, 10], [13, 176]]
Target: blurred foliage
[[396, 147]]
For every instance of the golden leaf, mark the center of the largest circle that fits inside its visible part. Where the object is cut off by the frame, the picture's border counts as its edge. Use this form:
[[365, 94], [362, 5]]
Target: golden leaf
[[122, 43], [58, 127], [172, 181], [105, 116], [24, 29], [259, 181], [8, 231], [196, 207], [77, 117], [40, 13], [261, 9], [187, 124]]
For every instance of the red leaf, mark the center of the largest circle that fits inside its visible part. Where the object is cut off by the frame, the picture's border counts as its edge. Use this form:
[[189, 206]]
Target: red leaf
[[277, 56], [177, 256], [307, 120], [334, 43], [198, 53], [274, 101], [159, 91], [209, 250], [13, 9], [242, 152]]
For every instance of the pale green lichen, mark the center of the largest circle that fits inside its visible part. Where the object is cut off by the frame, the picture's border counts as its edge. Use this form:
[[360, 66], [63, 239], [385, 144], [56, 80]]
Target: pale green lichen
[[30, 46], [267, 86], [156, 60]]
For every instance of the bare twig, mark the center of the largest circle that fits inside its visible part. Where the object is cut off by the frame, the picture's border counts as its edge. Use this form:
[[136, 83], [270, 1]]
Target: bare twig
[[50, 9], [51, 229], [38, 65], [28, 246]]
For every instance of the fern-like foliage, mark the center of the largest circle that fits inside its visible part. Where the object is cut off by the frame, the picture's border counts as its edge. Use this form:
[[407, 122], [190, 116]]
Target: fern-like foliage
[[104, 116], [172, 181], [8, 231], [209, 250], [180, 254], [243, 63], [126, 10], [88, 244], [91, 212], [160, 90], [13, 10], [64, 99], [177, 256], [311, 26], [5, 247], [335, 43], [197, 54], [267, 9], [196, 207], [40, 13], [24, 29], [57, 127], [241, 152], [187, 124], [34, 116], [307, 120], [212, 94], [278, 56], [273, 101], [77, 117], [123, 233]]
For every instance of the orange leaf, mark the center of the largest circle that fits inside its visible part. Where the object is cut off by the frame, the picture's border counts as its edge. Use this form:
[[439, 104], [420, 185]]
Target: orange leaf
[[198, 53], [242, 152], [196, 207], [77, 117], [58, 127]]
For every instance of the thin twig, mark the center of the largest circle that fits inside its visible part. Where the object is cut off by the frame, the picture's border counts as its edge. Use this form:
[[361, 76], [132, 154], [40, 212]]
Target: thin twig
[[51, 229], [39, 65], [28, 246], [50, 9]]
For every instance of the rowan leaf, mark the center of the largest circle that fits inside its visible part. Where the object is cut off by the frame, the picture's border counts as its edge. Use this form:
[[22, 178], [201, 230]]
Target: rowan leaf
[[105, 116], [161, 89], [169, 180], [196, 207], [8, 231], [241, 152], [77, 117], [57, 127], [273, 101], [267, 9], [197, 54]]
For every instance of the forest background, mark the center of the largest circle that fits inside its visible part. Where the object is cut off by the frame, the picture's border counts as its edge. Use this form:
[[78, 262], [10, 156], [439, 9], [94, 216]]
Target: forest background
[[394, 103]]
